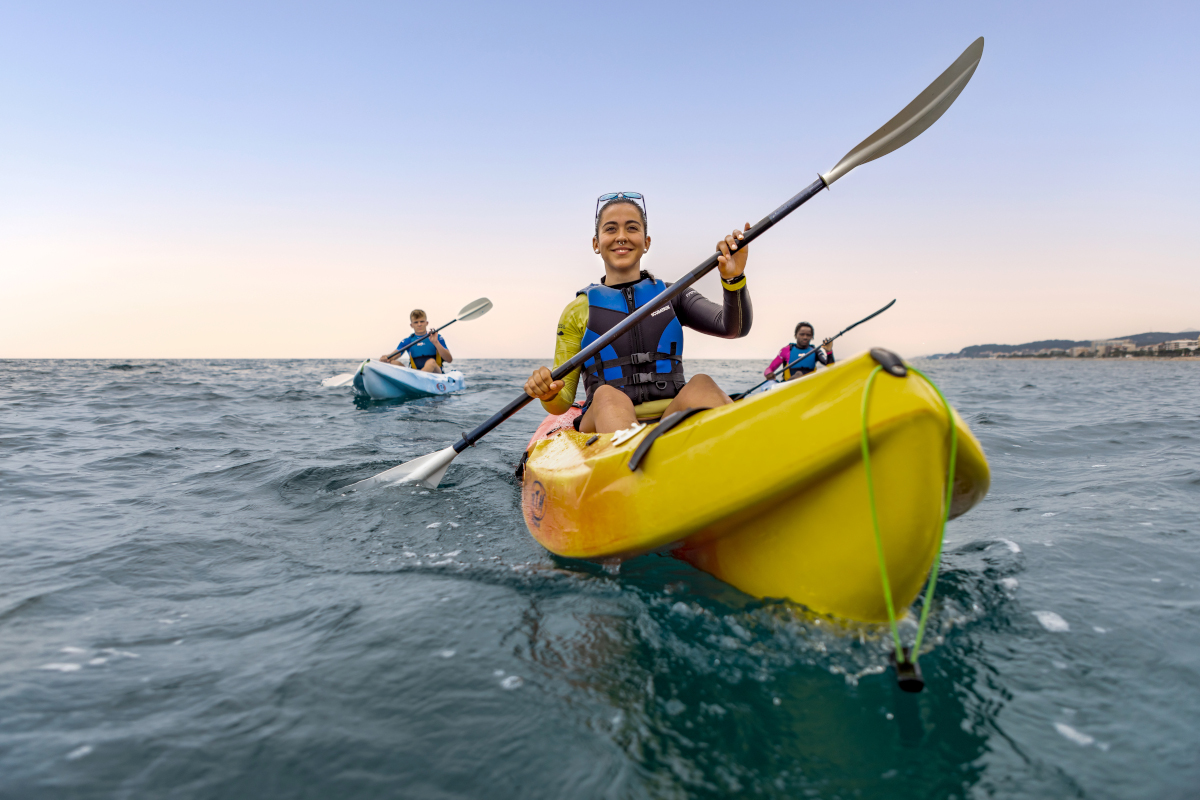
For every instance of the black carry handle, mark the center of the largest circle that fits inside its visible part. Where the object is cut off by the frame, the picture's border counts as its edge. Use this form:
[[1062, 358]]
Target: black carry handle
[[674, 290]]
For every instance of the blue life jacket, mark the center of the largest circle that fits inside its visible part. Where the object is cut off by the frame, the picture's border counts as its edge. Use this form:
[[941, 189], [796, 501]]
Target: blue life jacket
[[625, 364], [806, 364], [420, 353]]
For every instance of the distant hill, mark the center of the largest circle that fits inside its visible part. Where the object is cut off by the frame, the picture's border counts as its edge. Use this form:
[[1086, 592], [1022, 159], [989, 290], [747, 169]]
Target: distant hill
[[1140, 339]]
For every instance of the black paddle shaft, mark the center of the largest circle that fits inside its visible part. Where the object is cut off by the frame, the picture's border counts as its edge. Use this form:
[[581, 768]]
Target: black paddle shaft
[[674, 290], [411, 345]]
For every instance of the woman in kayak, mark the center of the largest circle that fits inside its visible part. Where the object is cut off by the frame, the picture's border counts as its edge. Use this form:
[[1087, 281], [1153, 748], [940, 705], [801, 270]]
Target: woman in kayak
[[429, 355], [803, 350], [639, 375]]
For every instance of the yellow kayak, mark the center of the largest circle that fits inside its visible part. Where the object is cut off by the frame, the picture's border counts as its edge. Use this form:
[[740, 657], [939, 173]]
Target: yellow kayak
[[769, 493]]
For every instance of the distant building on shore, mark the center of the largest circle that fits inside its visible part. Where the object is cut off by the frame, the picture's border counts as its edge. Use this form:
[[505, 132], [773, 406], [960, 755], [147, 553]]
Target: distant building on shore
[[1179, 344]]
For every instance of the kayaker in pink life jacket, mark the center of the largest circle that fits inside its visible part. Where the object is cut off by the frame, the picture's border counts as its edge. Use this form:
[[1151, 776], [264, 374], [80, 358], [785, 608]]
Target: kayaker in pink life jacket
[[640, 375], [802, 347]]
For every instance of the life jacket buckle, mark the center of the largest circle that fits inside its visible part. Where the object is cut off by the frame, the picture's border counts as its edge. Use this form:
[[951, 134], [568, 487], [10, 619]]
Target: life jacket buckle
[[642, 358]]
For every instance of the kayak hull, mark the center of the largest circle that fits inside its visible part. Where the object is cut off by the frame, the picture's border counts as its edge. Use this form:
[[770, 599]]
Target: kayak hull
[[381, 381], [769, 493]]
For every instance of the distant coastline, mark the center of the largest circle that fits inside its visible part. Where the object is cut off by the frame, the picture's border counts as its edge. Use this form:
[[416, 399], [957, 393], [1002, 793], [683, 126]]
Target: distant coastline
[[1157, 345]]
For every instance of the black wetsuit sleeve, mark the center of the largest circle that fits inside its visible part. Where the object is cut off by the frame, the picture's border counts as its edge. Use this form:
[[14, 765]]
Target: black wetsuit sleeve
[[730, 320]]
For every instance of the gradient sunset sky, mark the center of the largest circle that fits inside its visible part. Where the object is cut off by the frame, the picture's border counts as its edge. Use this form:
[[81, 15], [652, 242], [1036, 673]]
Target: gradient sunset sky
[[289, 180]]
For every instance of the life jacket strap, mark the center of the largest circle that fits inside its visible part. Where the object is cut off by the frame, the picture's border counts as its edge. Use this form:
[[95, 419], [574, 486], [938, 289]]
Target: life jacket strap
[[631, 359], [676, 374]]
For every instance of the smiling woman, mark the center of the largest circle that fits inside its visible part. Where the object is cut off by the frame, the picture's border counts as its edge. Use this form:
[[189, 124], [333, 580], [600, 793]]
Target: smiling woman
[[640, 374]]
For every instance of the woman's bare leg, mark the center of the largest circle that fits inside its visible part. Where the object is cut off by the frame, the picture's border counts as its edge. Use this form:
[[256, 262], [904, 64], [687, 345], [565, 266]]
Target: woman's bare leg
[[700, 392], [431, 366], [611, 410]]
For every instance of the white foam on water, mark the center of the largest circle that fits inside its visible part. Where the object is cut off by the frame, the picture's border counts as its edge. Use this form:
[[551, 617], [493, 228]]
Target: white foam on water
[[95, 662], [512, 682], [776, 701], [1059, 664], [1098, 466], [452, 524], [407, 554], [59, 667], [112, 651], [446, 653], [1010, 583], [675, 707], [1050, 514], [1147, 524], [1011, 545], [79, 752], [177, 641], [1099, 630], [1081, 739], [434, 525], [1052, 622], [453, 553], [72, 650], [498, 672], [1156, 580]]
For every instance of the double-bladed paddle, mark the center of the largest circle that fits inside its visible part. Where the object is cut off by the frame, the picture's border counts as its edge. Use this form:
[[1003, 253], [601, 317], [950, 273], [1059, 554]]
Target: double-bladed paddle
[[828, 341], [901, 129], [469, 311]]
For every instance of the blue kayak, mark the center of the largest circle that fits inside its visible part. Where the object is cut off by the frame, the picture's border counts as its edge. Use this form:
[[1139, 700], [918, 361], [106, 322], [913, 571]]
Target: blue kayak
[[381, 381]]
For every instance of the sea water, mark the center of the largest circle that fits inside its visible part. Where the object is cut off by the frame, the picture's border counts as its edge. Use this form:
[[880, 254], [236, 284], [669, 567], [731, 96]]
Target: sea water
[[189, 606]]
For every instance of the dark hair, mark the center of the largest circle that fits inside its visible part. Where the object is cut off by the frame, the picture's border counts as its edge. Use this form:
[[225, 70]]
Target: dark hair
[[615, 201], [800, 325]]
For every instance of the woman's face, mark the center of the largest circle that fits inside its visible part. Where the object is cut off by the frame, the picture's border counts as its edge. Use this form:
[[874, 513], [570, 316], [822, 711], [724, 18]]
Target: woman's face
[[622, 238], [804, 336]]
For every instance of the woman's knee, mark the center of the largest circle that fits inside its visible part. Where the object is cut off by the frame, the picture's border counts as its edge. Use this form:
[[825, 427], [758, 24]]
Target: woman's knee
[[702, 381], [608, 395], [702, 388]]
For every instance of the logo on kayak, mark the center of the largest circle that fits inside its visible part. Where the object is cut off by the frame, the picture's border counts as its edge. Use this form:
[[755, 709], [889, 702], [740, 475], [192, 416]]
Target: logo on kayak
[[537, 502], [441, 387]]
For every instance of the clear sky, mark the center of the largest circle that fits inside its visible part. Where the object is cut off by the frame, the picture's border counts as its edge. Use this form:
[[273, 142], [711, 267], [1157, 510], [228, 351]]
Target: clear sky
[[289, 180]]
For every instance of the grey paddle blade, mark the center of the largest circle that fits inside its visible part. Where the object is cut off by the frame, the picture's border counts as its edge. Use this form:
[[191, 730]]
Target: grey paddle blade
[[916, 116], [475, 310], [426, 471]]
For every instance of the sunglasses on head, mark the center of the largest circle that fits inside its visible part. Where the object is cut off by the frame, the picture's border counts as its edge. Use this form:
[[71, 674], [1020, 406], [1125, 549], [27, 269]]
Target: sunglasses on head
[[633, 197]]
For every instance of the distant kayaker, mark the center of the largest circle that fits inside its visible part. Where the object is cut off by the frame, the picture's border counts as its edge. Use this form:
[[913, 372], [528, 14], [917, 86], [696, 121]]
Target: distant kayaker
[[640, 375], [792, 351], [429, 355]]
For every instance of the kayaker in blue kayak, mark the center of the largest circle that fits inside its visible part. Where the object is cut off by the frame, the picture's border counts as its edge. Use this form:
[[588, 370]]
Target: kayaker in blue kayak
[[640, 375], [801, 347], [429, 355]]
